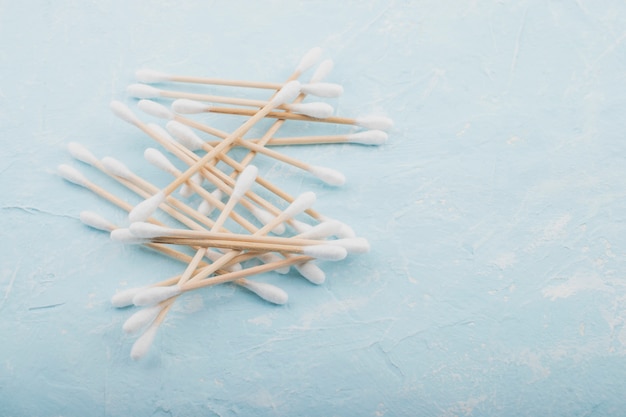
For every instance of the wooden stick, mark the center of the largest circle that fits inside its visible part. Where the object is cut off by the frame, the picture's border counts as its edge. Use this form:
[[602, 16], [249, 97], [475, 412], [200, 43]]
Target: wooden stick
[[219, 99], [282, 115], [239, 166]]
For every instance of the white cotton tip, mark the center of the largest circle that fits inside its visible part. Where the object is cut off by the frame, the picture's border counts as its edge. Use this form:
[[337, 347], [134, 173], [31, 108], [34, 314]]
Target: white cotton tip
[[368, 137], [143, 91], [155, 109], [286, 94], [299, 226], [303, 202], [160, 133], [186, 190], [186, 106], [327, 90], [265, 217], [311, 272], [146, 230], [142, 345], [143, 210], [269, 258], [309, 59], [374, 122], [154, 295], [317, 110], [125, 297], [125, 236], [325, 252], [322, 230], [322, 71], [344, 231], [96, 221], [185, 135], [328, 175], [205, 208], [122, 111], [245, 179], [214, 256], [81, 153], [268, 292], [73, 175], [141, 319], [117, 168], [352, 245], [156, 158], [150, 76]]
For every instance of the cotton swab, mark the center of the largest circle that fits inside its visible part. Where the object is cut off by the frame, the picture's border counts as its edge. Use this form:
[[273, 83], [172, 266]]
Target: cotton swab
[[317, 110], [369, 122], [300, 204], [157, 133], [144, 209], [328, 175], [366, 137]]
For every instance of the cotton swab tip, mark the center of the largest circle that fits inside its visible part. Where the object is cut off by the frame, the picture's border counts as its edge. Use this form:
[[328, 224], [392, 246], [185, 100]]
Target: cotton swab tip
[[309, 59], [117, 168], [246, 178], [96, 221], [145, 75], [72, 175], [146, 230], [81, 153], [125, 236], [325, 252], [141, 319], [122, 111], [143, 91], [322, 230], [185, 135], [125, 297], [143, 210], [286, 94], [268, 292], [186, 106], [311, 272], [156, 158], [368, 137], [155, 109], [375, 122], [328, 175], [352, 245], [322, 71], [154, 295], [303, 202], [327, 90], [316, 110], [142, 345]]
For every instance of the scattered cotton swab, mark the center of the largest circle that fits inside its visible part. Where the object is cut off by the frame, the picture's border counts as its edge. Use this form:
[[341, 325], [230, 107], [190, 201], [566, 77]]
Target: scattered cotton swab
[[222, 253]]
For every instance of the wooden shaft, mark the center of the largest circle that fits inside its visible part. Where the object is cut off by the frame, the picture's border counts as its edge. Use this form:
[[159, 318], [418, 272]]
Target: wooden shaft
[[221, 81], [282, 115], [232, 276], [209, 235], [240, 131]]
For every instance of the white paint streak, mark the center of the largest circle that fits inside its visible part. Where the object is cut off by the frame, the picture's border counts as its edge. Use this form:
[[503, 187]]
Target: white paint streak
[[579, 282]]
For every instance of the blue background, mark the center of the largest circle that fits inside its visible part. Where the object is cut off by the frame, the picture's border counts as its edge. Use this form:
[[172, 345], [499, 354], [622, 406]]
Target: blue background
[[496, 281]]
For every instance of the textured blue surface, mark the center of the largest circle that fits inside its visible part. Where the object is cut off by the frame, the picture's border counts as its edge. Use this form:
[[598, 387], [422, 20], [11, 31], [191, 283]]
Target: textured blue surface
[[496, 284]]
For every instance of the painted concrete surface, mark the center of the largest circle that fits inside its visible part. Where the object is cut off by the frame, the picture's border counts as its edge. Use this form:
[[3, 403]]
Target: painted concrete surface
[[496, 281]]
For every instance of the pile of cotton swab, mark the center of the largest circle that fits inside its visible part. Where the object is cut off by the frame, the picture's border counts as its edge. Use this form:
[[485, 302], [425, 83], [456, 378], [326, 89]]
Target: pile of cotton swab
[[244, 225]]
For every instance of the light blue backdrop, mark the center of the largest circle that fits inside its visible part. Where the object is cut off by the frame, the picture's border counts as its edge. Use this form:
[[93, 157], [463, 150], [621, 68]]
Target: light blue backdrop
[[496, 282]]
